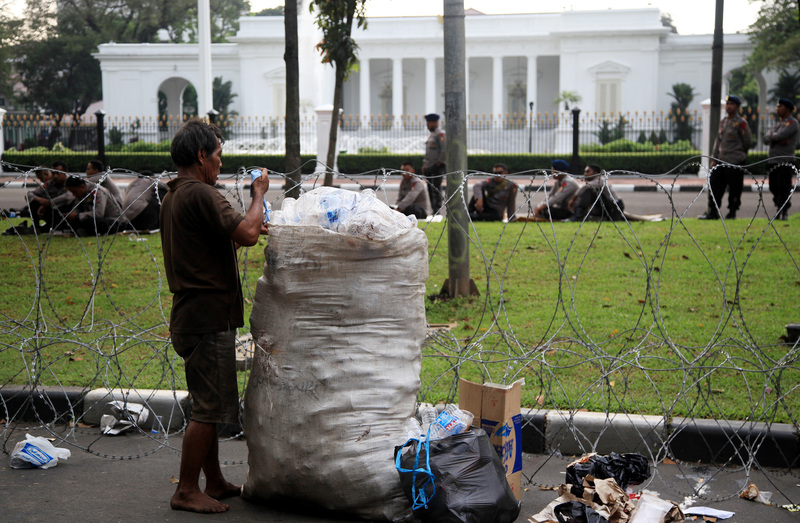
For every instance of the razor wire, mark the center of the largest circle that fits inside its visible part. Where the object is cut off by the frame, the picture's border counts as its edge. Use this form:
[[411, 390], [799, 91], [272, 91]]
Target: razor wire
[[44, 328]]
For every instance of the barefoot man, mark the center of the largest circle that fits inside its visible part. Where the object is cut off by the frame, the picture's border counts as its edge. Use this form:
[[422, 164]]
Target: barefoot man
[[199, 236]]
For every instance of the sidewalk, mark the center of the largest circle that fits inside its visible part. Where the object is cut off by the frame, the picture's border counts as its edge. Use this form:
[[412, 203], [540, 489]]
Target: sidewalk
[[128, 477]]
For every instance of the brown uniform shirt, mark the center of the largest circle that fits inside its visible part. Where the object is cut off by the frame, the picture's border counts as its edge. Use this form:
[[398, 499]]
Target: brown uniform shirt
[[200, 258]]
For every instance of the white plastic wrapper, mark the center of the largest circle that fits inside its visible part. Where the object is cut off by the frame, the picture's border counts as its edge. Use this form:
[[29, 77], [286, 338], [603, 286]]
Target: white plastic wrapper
[[347, 212], [339, 323], [34, 451]]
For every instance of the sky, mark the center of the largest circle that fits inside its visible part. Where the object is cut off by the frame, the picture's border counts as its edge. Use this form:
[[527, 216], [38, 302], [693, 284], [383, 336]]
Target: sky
[[689, 16]]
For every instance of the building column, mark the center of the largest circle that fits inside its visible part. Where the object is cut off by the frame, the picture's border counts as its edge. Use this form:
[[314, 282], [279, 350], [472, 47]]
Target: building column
[[2, 137], [531, 82], [430, 85], [466, 82], [497, 89], [397, 90], [364, 92]]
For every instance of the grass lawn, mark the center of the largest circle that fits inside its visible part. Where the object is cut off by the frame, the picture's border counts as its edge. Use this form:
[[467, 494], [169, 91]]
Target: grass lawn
[[681, 317]]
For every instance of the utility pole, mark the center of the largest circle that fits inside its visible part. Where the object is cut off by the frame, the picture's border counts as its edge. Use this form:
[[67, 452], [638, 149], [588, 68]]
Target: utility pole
[[458, 283], [716, 76], [205, 98]]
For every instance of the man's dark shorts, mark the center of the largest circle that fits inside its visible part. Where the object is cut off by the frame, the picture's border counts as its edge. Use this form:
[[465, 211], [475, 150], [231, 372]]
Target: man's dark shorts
[[210, 361]]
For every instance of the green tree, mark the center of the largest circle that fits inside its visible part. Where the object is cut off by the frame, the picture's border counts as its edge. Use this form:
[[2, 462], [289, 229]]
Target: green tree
[[743, 84], [338, 48], [608, 133], [683, 94], [788, 86], [776, 36], [666, 21], [273, 11], [567, 97], [222, 95]]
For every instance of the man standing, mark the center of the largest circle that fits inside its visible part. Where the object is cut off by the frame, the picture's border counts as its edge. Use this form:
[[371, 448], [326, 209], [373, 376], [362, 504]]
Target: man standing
[[433, 164], [782, 141], [412, 198], [730, 151], [495, 198], [556, 207], [200, 234]]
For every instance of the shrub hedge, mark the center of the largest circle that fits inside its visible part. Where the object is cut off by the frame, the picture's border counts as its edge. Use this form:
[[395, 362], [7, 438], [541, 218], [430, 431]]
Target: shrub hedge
[[645, 163]]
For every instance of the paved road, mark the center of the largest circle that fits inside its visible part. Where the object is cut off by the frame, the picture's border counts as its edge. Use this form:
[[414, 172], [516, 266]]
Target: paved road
[[137, 485], [688, 202]]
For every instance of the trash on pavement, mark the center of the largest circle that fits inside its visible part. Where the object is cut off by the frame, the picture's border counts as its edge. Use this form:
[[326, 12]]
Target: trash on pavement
[[121, 416], [752, 493], [458, 479], [35, 451], [708, 511], [626, 469]]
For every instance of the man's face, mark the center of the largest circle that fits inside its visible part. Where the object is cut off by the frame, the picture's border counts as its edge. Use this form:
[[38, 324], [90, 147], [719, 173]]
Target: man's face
[[78, 191], [408, 171], [782, 111], [431, 124], [44, 175], [499, 173], [90, 170], [59, 177], [210, 165], [731, 108], [588, 172]]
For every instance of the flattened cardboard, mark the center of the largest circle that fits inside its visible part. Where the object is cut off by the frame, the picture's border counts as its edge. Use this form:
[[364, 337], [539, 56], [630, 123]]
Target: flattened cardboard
[[497, 411]]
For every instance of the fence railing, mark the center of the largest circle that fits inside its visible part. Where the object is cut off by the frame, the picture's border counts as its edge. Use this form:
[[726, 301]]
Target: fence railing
[[638, 131]]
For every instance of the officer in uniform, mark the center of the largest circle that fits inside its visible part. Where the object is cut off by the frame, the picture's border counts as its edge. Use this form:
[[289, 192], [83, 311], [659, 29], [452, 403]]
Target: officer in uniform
[[782, 140], [433, 166], [730, 151]]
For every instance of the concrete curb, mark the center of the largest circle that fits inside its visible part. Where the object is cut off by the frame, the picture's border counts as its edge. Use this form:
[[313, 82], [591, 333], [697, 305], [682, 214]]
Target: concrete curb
[[543, 431]]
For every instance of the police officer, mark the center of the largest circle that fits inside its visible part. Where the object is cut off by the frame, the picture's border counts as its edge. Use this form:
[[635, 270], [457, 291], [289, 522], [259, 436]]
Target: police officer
[[730, 151], [433, 166], [782, 140]]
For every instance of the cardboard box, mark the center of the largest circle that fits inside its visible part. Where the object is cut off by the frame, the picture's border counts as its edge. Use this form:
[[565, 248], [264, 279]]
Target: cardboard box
[[497, 411]]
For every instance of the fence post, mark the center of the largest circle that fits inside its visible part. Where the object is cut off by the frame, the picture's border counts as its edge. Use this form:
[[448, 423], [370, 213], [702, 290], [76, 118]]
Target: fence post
[[101, 136], [530, 129], [576, 168], [212, 116], [324, 116]]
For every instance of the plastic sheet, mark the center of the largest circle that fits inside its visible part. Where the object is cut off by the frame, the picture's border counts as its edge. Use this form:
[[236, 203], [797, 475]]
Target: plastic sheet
[[577, 512], [469, 482]]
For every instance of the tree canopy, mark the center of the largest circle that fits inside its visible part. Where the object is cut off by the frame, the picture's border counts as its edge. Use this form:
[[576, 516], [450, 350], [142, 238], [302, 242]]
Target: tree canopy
[[776, 35]]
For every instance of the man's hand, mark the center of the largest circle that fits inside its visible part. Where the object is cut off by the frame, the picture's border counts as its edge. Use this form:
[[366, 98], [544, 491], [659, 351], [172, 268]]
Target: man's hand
[[479, 204], [252, 226], [712, 164]]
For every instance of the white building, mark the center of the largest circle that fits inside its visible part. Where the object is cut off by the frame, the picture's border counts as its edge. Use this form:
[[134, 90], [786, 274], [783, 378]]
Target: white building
[[616, 60]]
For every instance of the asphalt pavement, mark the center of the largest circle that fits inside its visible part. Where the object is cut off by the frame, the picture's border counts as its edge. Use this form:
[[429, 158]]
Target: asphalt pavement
[[131, 477]]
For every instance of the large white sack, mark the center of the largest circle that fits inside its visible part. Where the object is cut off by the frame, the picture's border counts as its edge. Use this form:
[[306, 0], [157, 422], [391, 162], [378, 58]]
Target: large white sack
[[339, 323]]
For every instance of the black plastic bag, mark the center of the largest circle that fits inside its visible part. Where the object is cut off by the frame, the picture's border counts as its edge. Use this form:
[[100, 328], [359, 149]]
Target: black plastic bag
[[468, 482], [577, 512], [626, 469]]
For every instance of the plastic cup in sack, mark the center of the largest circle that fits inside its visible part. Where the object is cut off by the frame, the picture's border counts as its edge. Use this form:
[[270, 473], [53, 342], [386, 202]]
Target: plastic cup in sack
[[36, 452]]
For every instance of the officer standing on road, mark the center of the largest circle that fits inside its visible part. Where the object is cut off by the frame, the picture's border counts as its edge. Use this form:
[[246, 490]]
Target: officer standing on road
[[433, 166], [730, 151], [782, 140]]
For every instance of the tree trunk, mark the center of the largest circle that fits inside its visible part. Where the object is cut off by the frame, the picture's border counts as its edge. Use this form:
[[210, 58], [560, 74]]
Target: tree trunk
[[333, 135], [292, 161]]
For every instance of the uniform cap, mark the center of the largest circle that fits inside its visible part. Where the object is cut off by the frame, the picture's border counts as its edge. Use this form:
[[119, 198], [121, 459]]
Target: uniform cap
[[433, 117], [786, 103], [734, 99], [560, 165]]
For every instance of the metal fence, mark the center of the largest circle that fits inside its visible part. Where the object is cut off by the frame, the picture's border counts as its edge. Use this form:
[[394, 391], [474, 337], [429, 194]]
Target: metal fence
[[652, 132]]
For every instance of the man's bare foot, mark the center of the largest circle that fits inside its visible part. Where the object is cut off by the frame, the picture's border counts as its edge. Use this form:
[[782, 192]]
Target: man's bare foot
[[224, 491], [196, 501]]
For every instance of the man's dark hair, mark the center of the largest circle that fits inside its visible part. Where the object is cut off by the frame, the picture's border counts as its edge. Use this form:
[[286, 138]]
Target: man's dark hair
[[407, 162], [60, 165], [74, 181], [193, 136], [97, 165], [596, 168], [501, 165]]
